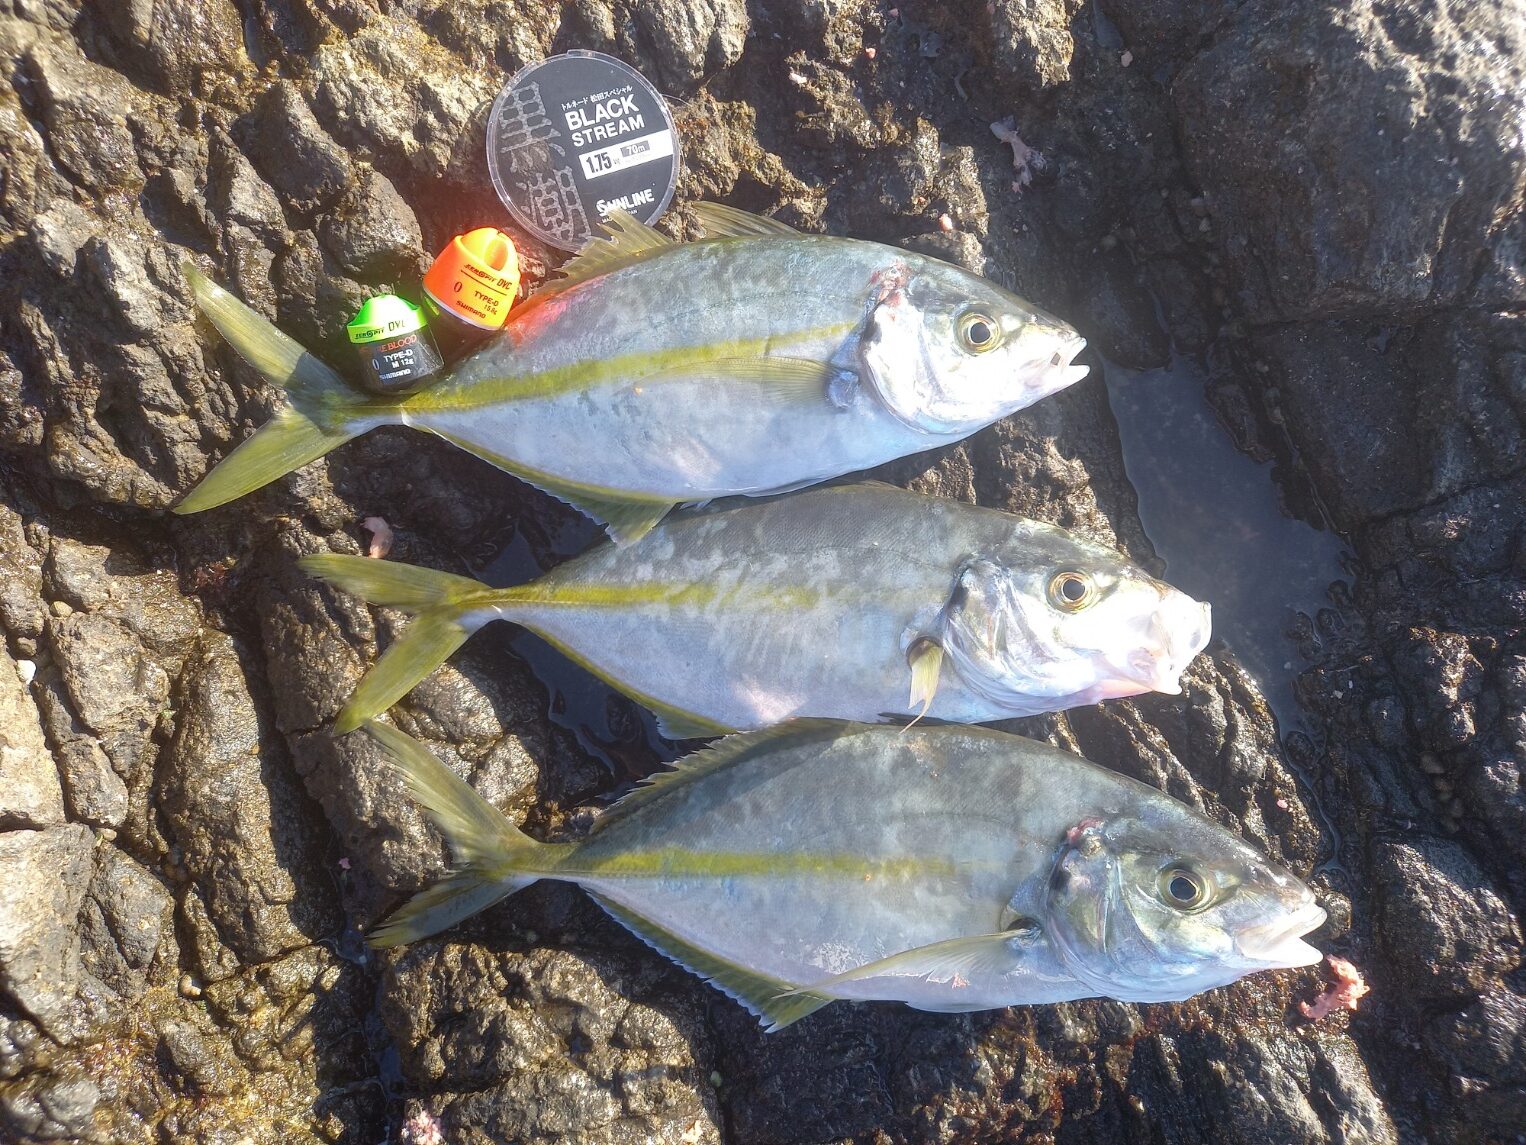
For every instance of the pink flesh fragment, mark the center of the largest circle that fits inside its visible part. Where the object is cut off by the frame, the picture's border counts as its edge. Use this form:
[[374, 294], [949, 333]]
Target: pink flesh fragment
[[1342, 994], [381, 537]]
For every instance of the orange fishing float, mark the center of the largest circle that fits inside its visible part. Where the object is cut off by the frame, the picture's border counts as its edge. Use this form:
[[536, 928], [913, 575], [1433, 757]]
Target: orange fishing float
[[469, 288]]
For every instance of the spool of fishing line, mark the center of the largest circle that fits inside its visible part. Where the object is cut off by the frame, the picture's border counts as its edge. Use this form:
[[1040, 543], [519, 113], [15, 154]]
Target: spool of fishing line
[[576, 136]]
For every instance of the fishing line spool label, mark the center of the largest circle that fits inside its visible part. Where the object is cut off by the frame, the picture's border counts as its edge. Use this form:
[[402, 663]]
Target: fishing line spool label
[[576, 136]]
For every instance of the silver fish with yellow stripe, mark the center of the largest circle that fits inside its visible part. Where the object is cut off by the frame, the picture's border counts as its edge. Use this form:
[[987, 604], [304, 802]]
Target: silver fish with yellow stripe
[[654, 373], [862, 602], [949, 868]]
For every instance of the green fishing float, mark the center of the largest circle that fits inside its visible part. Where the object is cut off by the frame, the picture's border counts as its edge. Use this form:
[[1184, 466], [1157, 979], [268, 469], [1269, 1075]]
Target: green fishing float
[[392, 340]]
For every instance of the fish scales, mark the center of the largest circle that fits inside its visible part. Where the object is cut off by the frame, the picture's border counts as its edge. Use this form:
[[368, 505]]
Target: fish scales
[[678, 431], [801, 600], [939, 856], [950, 868], [750, 613], [655, 373]]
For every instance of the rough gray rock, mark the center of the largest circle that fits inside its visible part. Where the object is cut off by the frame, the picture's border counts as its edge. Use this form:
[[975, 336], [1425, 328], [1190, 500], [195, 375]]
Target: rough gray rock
[[1477, 941], [1227, 193], [1373, 160], [43, 876], [687, 39], [30, 795], [241, 824]]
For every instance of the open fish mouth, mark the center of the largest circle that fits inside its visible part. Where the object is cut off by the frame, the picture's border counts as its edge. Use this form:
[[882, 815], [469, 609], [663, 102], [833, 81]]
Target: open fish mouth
[[1180, 631], [1051, 375], [1280, 943]]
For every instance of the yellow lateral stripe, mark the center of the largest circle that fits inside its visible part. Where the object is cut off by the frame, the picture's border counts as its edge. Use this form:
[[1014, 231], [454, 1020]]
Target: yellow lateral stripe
[[633, 595], [673, 862], [594, 372]]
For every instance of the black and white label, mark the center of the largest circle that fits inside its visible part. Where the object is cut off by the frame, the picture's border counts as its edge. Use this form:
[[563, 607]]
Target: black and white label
[[576, 136]]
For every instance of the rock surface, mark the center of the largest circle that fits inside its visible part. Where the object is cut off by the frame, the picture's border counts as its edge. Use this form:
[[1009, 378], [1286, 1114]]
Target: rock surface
[[1320, 201]]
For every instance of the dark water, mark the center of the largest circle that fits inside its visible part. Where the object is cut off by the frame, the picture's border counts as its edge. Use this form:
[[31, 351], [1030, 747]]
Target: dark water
[[1213, 515]]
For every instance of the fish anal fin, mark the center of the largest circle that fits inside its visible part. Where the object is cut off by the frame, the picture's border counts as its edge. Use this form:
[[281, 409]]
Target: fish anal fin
[[774, 1002], [676, 724], [723, 222], [625, 519]]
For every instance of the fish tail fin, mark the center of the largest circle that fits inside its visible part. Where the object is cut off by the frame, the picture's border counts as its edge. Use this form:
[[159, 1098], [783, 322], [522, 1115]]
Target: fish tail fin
[[493, 858], [440, 603], [324, 412]]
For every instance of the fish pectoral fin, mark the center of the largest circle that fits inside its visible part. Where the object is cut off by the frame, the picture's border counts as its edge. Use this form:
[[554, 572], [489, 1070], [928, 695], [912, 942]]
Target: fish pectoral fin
[[954, 962], [783, 379], [769, 999], [677, 724], [723, 222], [925, 658]]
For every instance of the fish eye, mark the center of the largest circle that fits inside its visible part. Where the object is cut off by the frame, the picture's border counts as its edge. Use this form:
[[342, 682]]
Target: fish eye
[[1071, 590], [978, 332], [1183, 889]]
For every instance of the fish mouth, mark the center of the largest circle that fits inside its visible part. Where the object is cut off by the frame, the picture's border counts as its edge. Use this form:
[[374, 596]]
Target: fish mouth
[[1059, 372], [1280, 943], [1181, 630]]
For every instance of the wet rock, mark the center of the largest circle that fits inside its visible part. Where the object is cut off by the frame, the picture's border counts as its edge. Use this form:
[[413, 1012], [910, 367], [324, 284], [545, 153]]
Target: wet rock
[[21, 610], [1454, 379], [30, 795], [548, 1045], [60, 232], [43, 877], [127, 925], [1483, 1048], [179, 45], [52, 1108], [84, 108], [1342, 113], [391, 91], [1445, 930], [108, 678], [687, 39], [293, 153], [373, 233], [239, 817], [1030, 42]]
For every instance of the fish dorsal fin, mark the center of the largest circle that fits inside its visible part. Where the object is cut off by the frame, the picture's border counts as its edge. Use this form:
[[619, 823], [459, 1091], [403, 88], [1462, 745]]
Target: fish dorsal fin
[[626, 240], [723, 222], [724, 753], [775, 1002]]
